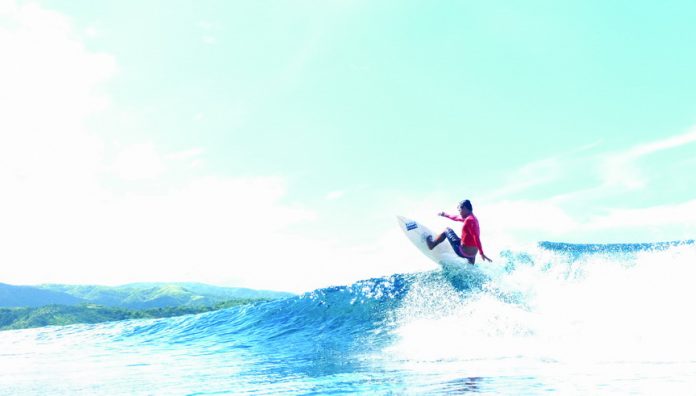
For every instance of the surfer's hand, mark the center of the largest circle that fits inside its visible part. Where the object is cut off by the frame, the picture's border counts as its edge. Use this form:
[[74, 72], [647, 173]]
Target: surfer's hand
[[485, 258], [441, 214]]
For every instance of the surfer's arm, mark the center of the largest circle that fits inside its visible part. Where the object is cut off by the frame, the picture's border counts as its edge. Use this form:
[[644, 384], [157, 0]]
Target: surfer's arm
[[478, 244], [480, 248], [477, 238], [451, 217]]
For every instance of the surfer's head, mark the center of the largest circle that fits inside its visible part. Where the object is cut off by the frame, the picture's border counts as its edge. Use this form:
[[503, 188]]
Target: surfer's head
[[465, 207]]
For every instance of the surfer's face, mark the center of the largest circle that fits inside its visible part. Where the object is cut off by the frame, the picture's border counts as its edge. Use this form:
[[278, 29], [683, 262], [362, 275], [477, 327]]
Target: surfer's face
[[463, 211]]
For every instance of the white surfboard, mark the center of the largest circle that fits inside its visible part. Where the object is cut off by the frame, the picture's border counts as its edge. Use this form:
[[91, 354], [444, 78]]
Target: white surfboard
[[443, 254]]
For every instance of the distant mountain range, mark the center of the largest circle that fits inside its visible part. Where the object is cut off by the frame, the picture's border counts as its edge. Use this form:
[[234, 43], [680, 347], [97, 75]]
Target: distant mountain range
[[132, 296]]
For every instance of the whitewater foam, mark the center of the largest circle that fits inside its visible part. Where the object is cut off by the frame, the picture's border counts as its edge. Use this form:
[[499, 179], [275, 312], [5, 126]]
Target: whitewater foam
[[600, 307]]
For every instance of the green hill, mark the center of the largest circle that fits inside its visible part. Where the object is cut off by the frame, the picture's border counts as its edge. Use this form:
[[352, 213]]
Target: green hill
[[157, 295], [59, 315], [218, 291], [31, 296]]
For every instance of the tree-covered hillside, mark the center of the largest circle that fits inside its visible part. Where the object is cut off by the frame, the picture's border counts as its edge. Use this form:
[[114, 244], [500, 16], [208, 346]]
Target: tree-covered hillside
[[50, 315], [132, 296]]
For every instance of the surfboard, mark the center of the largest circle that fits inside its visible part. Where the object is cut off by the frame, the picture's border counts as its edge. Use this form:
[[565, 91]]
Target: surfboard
[[441, 254]]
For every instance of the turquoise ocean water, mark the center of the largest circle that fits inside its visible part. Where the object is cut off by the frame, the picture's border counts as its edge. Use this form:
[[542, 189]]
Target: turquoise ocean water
[[552, 319]]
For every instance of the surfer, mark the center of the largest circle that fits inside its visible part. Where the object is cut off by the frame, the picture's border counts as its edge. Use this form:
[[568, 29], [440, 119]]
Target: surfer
[[470, 243]]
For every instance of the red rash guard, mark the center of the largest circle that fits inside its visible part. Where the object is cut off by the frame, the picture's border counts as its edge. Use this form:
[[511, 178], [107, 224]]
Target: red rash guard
[[470, 230]]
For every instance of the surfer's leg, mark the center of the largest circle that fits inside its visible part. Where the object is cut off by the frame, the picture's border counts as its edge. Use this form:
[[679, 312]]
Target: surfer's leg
[[471, 259], [469, 253], [456, 243], [432, 243]]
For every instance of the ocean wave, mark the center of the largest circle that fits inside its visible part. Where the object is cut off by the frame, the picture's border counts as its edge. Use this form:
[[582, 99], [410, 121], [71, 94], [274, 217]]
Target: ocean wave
[[542, 307]]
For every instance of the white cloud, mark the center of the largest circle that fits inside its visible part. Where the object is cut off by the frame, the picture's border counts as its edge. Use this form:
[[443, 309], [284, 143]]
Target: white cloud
[[514, 223], [333, 195], [664, 144], [213, 230], [622, 169], [193, 157], [62, 223], [207, 25], [537, 216], [49, 86], [139, 162], [92, 32], [186, 154], [612, 176], [545, 171], [530, 175], [682, 214], [208, 28]]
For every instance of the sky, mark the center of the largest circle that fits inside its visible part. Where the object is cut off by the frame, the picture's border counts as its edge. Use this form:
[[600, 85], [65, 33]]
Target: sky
[[270, 144]]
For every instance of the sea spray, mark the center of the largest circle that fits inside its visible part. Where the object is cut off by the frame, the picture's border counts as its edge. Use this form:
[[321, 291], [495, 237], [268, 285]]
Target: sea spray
[[600, 306]]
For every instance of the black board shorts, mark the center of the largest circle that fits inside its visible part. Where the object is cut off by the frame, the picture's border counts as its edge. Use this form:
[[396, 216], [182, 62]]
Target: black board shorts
[[456, 243]]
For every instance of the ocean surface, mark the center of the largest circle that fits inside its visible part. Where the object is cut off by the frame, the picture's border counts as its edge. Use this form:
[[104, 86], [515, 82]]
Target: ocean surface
[[552, 319]]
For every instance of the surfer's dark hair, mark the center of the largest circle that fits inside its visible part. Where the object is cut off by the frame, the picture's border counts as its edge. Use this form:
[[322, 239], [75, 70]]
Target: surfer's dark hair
[[466, 204]]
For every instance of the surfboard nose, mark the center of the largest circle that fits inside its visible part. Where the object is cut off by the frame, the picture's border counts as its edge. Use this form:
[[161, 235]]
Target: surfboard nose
[[407, 224], [403, 221]]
